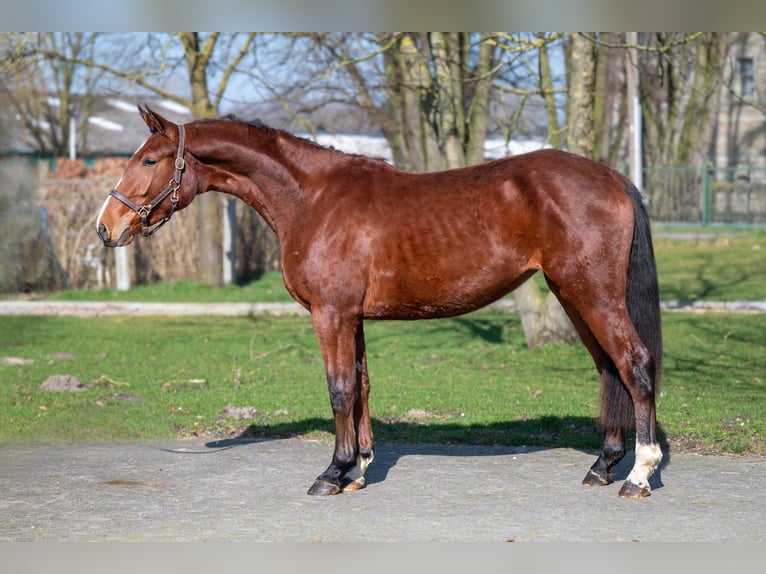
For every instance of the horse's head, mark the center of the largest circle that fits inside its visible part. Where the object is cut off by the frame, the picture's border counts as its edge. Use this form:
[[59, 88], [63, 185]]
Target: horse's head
[[151, 188]]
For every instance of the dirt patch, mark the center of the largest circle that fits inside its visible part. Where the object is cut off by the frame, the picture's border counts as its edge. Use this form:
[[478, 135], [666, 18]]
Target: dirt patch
[[243, 413], [58, 383], [17, 361]]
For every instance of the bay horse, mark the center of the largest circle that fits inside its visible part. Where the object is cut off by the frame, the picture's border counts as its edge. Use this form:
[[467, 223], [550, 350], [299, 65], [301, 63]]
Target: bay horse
[[363, 240]]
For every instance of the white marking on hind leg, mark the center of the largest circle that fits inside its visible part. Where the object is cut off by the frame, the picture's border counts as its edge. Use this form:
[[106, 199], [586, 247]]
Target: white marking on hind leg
[[648, 457]]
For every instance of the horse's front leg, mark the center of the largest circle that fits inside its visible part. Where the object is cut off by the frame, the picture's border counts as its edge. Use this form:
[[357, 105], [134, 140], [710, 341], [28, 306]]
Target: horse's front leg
[[354, 479], [338, 338]]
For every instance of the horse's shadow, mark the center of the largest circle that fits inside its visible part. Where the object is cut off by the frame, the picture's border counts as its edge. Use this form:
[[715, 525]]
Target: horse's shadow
[[386, 459], [474, 441]]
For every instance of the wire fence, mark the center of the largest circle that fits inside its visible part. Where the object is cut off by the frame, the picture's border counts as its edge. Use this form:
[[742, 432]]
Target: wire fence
[[707, 195]]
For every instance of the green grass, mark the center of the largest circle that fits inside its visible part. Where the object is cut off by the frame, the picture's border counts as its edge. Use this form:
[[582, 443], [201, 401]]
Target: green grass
[[468, 380], [725, 267]]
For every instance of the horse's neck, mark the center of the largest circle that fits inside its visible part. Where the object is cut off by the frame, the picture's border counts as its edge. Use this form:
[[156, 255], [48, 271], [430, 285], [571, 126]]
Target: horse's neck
[[268, 176]]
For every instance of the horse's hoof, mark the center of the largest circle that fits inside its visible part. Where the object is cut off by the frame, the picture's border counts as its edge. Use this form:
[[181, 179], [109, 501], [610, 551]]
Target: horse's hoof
[[630, 490], [352, 485], [323, 488], [595, 479]]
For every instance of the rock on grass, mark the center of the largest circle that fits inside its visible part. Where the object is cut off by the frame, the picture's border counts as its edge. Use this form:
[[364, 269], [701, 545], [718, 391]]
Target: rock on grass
[[62, 383]]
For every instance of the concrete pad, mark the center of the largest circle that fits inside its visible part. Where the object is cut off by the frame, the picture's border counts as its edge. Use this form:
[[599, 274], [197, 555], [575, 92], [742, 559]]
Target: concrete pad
[[234, 490]]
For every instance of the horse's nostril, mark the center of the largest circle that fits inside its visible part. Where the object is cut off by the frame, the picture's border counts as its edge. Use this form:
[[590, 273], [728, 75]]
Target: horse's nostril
[[103, 233]]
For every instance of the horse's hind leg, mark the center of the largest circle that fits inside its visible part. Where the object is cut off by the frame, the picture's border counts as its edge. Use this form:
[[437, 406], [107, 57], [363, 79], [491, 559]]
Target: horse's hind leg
[[648, 451], [613, 445], [616, 415], [622, 405], [636, 368]]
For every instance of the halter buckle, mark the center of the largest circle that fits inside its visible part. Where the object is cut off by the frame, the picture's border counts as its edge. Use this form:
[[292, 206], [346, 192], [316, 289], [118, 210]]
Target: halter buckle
[[144, 210]]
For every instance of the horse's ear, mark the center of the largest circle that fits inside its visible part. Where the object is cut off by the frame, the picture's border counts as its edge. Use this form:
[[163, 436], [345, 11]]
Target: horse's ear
[[157, 124]]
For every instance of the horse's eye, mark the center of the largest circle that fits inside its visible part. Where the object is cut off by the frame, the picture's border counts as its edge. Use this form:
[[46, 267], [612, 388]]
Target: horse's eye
[[149, 162]]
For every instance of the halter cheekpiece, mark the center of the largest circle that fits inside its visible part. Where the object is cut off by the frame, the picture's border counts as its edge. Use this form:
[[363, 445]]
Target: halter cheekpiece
[[171, 189]]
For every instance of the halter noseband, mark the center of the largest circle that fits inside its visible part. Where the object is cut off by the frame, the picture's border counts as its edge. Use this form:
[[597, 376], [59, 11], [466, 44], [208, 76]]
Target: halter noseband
[[172, 188]]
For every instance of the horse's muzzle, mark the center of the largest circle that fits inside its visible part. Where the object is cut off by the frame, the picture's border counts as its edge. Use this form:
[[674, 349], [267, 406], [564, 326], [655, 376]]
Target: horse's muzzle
[[105, 236]]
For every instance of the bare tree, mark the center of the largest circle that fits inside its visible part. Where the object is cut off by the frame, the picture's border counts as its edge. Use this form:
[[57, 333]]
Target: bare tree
[[610, 121], [443, 82], [199, 53], [680, 76], [47, 94], [417, 88]]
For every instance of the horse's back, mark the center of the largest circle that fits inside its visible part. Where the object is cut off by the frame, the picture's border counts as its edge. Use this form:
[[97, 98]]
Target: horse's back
[[536, 184]]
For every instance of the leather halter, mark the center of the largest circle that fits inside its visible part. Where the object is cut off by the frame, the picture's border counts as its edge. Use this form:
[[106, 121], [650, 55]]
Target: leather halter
[[171, 189]]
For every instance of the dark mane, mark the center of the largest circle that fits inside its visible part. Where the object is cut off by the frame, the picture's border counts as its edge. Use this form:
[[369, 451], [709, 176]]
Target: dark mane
[[258, 125]]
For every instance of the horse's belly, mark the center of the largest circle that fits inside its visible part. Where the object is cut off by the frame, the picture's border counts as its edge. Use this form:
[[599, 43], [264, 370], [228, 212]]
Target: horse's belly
[[427, 297], [415, 309]]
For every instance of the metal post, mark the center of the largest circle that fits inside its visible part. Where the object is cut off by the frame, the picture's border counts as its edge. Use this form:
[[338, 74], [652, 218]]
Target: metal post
[[122, 268], [73, 115], [229, 241], [72, 136], [634, 110], [707, 203]]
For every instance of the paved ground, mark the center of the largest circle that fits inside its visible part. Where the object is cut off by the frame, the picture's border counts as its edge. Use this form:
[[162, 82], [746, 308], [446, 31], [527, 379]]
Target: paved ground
[[193, 490]]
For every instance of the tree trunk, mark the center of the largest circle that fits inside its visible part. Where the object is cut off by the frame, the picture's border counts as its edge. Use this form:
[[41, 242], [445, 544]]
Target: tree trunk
[[404, 126], [479, 110], [447, 109], [677, 97], [209, 210], [581, 102], [542, 318]]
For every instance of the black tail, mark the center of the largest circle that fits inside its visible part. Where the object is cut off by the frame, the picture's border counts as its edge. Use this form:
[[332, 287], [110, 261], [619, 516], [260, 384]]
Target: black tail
[[643, 302]]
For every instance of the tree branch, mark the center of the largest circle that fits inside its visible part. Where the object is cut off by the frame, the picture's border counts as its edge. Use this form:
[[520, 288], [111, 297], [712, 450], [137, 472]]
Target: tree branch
[[133, 77], [231, 68], [644, 47]]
